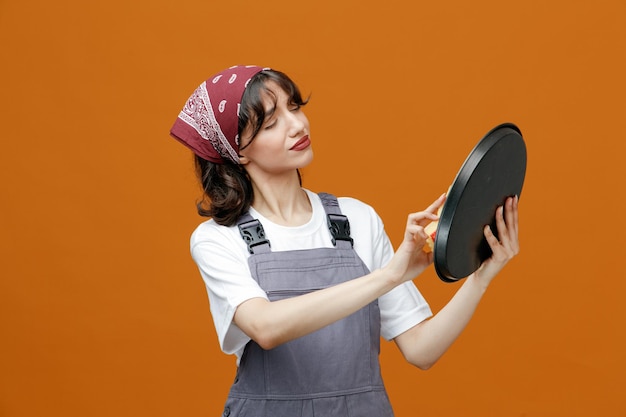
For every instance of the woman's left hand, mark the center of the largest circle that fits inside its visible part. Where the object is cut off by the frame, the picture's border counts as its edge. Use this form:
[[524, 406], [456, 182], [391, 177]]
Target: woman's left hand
[[505, 246]]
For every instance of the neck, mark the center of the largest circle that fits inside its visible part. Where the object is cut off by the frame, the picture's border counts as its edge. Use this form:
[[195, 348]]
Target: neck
[[282, 200]]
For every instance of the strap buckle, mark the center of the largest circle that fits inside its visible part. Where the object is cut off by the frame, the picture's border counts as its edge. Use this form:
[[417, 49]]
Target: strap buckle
[[253, 234], [339, 227]]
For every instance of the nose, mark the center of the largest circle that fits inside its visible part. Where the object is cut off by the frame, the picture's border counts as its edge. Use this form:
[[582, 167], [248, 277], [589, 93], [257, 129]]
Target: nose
[[297, 123]]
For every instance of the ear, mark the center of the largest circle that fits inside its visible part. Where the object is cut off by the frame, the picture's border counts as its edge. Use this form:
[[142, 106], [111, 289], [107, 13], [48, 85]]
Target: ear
[[243, 160]]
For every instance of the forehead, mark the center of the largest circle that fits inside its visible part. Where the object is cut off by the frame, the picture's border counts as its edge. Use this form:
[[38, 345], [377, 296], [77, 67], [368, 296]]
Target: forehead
[[272, 94]]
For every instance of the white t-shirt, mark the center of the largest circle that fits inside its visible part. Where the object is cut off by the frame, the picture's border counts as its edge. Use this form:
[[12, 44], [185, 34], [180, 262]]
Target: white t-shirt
[[222, 258]]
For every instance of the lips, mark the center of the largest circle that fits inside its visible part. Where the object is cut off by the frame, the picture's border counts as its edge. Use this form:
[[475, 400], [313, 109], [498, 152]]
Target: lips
[[303, 143]]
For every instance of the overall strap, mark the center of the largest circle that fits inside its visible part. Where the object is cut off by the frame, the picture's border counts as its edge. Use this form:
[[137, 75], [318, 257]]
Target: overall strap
[[338, 224], [252, 233]]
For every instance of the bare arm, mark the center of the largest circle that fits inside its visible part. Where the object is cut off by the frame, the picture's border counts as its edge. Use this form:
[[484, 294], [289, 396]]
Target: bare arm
[[273, 323], [425, 343]]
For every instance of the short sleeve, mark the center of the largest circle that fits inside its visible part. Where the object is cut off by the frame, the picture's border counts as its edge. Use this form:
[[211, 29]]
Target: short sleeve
[[223, 265], [402, 308]]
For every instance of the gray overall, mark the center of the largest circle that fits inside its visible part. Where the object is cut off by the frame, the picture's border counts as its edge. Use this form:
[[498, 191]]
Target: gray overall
[[331, 372]]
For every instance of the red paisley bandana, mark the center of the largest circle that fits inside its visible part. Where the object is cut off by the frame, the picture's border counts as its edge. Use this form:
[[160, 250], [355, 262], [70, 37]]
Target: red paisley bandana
[[208, 123]]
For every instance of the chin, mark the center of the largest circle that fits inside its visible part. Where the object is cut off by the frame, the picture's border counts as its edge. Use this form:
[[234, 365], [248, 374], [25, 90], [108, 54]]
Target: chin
[[308, 159]]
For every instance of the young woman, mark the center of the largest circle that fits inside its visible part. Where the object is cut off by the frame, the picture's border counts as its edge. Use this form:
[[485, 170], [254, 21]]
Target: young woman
[[296, 294]]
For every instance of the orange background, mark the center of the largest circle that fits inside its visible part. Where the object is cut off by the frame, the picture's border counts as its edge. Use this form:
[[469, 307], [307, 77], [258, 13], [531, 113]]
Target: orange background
[[103, 312]]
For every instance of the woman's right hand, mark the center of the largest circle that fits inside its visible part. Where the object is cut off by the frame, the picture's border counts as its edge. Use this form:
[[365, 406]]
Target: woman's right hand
[[410, 259]]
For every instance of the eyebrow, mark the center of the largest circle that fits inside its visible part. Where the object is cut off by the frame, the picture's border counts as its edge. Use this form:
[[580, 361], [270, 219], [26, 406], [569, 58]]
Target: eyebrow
[[270, 112]]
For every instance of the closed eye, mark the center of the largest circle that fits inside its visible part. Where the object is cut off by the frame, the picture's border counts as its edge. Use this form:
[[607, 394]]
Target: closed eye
[[269, 122]]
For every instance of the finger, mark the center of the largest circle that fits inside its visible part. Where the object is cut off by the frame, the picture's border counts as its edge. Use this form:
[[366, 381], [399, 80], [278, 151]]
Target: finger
[[492, 240], [421, 217], [515, 215], [513, 226], [506, 244], [436, 204], [415, 230], [416, 237], [503, 232], [510, 219], [509, 216]]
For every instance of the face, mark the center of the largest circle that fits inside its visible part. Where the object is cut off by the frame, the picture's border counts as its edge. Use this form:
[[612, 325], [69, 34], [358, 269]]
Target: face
[[282, 145]]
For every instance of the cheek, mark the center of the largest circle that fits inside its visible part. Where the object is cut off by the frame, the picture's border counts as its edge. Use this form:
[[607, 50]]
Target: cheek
[[266, 145]]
